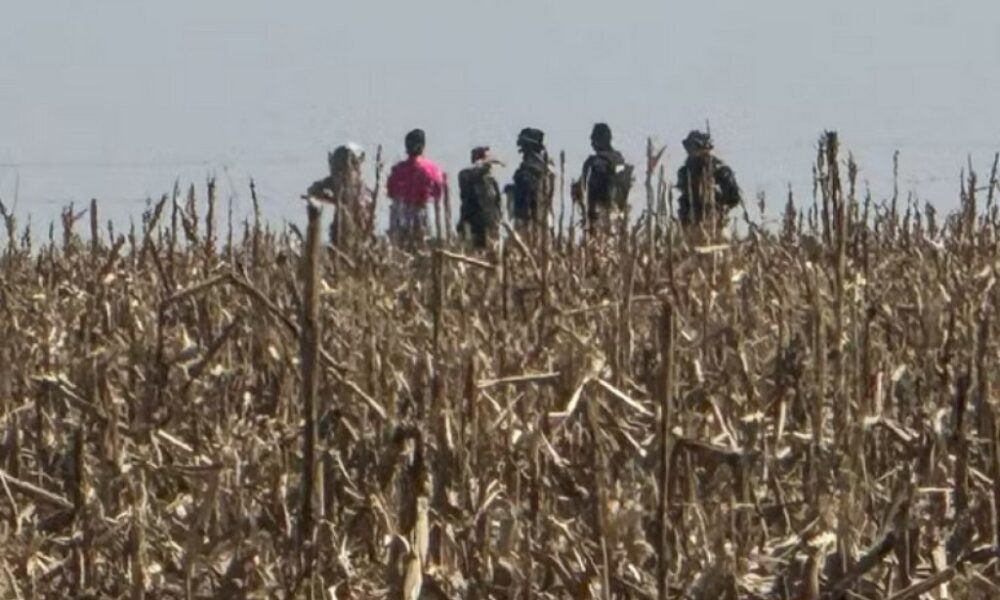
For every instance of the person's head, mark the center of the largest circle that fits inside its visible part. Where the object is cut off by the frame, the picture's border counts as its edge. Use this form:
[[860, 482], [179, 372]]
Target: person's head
[[480, 154], [415, 141], [482, 157], [345, 172], [600, 137], [698, 144], [346, 158], [531, 139]]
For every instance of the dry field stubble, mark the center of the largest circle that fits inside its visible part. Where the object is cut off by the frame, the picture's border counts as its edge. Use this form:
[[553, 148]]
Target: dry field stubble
[[802, 413]]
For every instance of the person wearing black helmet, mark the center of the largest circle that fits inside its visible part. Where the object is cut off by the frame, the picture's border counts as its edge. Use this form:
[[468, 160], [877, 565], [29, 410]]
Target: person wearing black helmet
[[481, 212], [607, 178], [702, 177], [533, 181]]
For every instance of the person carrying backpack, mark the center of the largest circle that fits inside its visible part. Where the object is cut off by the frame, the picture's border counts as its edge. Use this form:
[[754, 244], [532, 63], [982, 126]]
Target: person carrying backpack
[[607, 178], [480, 193], [702, 174], [533, 185]]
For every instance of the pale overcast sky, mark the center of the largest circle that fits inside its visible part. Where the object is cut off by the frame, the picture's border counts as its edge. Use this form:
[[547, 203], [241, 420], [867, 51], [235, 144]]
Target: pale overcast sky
[[117, 99]]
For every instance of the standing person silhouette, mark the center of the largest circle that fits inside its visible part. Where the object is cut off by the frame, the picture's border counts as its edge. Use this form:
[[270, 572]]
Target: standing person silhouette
[[701, 175], [412, 184], [533, 180], [481, 210], [606, 177]]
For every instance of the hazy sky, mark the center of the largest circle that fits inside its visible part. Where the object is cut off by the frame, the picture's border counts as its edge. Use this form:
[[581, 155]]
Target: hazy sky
[[117, 99]]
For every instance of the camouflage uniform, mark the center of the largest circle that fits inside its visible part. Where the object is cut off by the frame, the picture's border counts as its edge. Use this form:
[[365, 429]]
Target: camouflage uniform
[[533, 183], [700, 168], [480, 193], [345, 188], [606, 176]]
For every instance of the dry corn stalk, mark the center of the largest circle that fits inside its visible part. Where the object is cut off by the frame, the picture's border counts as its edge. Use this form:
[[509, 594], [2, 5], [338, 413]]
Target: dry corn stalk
[[636, 415]]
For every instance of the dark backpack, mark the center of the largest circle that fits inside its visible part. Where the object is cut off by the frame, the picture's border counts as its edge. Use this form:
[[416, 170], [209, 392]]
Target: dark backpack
[[480, 196], [621, 185], [729, 190]]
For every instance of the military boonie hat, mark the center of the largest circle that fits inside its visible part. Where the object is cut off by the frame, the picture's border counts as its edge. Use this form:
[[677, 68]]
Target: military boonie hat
[[697, 140]]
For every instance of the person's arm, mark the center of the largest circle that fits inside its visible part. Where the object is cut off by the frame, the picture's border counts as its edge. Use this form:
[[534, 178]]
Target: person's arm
[[392, 183], [588, 166], [498, 195], [579, 188], [682, 180], [683, 199], [465, 195], [321, 189], [435, 182]]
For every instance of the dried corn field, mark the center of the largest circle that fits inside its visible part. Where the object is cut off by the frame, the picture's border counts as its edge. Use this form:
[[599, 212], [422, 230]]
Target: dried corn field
[[797, 412]]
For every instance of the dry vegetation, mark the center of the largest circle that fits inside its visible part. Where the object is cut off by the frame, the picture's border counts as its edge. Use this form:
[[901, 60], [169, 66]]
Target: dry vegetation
[[802, 413]]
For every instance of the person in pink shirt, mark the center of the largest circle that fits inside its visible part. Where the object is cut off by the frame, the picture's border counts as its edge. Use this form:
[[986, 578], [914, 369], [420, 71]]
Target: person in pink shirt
[[412, 184]]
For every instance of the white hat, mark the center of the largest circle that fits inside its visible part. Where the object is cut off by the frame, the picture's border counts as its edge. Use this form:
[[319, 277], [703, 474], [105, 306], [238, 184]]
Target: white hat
[[356, 149]]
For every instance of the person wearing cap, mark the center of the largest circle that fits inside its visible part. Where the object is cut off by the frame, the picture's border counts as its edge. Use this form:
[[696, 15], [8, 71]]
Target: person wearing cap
[[533, 181], [412, 184], [606, 177], [481, 212], [345, 188], [704, 177]]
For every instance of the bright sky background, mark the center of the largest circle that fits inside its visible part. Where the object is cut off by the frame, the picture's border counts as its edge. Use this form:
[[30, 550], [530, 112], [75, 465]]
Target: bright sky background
[[116, 99]]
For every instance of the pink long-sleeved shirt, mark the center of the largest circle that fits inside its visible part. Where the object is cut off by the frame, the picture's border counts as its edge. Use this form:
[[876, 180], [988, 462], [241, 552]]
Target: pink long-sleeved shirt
[[415, 181]]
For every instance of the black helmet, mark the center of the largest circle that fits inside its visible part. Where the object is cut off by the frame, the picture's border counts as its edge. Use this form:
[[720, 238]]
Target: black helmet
[[697, 140], [415, 141], [601, 132], [530, 136]]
